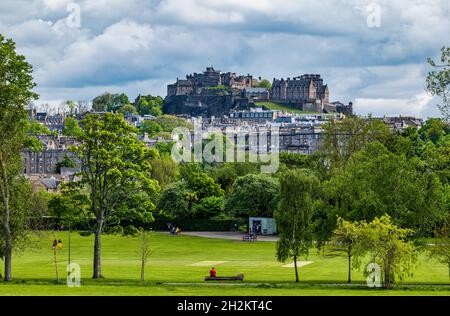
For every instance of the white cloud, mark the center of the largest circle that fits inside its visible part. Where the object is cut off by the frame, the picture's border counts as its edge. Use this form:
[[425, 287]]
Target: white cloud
[[127, 45]]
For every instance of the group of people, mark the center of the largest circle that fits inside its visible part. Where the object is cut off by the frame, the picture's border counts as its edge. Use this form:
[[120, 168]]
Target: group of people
[[57, 244], [174, 230]]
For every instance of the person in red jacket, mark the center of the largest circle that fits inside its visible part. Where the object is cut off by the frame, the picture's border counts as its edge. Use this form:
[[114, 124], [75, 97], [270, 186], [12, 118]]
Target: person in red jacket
[[213, 273]]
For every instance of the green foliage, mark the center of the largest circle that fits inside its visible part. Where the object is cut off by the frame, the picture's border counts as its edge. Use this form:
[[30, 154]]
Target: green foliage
[[16, 84], [377, 182], [116, 170], [164, 170], [109, 102], [169, 122], [150, 127], [71, 127], [197, 195], [388, 246], [209, 207], [294, 215], [253, 195], [265, 84], [174, 200], [347, 238], [131, 231], [346, 137], [440, 249], [128, 109], [67, 162], [438, 81], [150, 105], [36, 128], [434, 130], [164, 148]]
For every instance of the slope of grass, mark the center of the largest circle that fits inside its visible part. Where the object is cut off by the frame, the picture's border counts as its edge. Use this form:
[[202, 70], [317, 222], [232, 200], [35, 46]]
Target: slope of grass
[[280, 107], [170, 272]]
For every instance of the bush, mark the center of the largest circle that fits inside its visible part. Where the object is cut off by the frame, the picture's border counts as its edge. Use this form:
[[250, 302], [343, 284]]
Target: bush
[[131, 231], [85, 233], [114, 230]]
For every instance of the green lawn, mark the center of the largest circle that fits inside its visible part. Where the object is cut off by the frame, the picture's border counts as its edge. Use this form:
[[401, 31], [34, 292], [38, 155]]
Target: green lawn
[[279, 107], [170, 272]]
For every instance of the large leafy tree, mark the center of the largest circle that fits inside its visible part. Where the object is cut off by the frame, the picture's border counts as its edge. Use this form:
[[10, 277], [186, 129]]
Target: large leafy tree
[[150, 105], [389, 247], [346, 238], [438, 81], [195, 195], [440, 249], [110, 102], [379, 182], [116, 169], [294, 215], [16, 84], [345, 137], [71, 127], [253, 195]]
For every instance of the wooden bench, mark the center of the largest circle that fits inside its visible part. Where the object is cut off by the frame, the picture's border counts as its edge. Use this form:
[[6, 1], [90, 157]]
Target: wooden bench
[[239, 277]]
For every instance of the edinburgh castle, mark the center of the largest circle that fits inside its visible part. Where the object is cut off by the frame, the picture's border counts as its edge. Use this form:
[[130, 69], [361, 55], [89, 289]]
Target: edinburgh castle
[[213, 93]]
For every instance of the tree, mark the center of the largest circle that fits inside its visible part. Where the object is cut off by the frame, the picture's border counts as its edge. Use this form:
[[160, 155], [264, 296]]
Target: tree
[[128, 109], [164, 170], [144, 251], [25, 205], [174, 200], [109, 102], [36, 128], [150, 127], [16, 84], [209, 207], [170, 122], [253, 195], [265, 84], [388, 247], [377, 182], [440, 250], [438, 81], [116, 168], [71, 127], [150, 105], [348, 136], [193, 196], [346, 238], [67, 162], [293, 216]]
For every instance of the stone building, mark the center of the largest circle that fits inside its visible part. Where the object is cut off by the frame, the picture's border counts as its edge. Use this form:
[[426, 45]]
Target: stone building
[[194, 83], [54, 149], [305, 88]]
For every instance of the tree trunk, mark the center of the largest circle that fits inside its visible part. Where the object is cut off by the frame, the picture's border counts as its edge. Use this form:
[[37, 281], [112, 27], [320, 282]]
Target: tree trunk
[[7, 232], [142, 270], [296, 269], [387, 277], [97, 251], [8, 256], [349, 268]]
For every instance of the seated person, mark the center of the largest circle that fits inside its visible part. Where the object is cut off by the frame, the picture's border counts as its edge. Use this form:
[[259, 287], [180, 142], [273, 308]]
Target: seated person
[[213, 273]]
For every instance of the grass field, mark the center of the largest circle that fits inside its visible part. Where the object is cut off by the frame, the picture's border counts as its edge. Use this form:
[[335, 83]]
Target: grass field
[[279, 107], [176, 267]]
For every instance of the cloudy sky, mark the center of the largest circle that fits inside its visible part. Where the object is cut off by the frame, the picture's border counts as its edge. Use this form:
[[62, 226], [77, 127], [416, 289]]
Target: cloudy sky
[[370, 52]]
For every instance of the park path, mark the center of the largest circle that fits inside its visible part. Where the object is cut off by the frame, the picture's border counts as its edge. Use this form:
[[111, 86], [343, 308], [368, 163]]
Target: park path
[[228, 235]]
